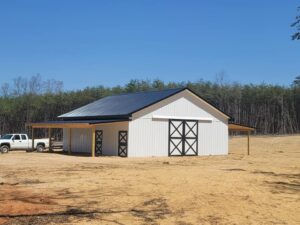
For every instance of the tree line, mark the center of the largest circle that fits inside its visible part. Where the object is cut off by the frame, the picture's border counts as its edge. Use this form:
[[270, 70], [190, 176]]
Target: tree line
[[271, 109]]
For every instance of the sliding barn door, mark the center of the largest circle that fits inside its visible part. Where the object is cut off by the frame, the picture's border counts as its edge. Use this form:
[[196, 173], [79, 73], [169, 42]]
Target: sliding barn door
[[183, 137]]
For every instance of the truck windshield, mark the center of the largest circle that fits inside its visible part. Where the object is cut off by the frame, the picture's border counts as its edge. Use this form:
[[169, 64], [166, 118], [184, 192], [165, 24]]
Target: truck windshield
[[6, 136]]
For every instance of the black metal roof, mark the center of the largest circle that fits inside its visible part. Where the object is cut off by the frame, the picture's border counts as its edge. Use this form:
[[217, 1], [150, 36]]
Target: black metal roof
[[121, 106]]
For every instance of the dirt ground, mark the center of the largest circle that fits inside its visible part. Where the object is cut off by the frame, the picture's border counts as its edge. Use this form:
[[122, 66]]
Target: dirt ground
[[51, 188]]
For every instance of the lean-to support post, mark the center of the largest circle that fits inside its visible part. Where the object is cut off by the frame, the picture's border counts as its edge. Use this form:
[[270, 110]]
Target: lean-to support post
[[49, 134], [248, 149], [32, 138], [93, 142], [70, 141]]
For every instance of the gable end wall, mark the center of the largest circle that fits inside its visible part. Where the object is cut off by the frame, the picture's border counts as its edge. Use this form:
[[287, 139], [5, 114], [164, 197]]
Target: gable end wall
[[149, 137]]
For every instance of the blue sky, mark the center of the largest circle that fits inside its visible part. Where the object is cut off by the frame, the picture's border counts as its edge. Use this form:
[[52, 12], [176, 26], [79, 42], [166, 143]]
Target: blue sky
[[108, 42]]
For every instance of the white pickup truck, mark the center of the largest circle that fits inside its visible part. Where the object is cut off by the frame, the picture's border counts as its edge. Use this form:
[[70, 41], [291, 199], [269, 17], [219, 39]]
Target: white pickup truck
[[21, 141]]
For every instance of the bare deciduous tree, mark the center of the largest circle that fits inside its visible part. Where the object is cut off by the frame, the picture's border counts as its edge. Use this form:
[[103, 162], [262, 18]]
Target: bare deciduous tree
[[5, 89], [296, 24], [35, 84]]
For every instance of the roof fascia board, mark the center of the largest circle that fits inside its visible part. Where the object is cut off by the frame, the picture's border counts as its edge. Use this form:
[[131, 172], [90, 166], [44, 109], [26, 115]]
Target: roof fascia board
[[209, 104]]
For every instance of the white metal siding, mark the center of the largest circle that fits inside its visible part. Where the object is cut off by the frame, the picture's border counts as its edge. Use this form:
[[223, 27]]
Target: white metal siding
[[184, 104], [149, 137], [111, 136], [82, 138], [65, 139], [212, 138]]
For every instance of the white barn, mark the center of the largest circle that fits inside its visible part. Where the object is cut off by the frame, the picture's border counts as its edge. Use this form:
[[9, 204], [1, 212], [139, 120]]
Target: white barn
[[172, 122]]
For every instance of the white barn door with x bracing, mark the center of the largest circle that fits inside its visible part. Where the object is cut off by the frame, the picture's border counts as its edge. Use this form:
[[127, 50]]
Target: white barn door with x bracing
[[183, 137]]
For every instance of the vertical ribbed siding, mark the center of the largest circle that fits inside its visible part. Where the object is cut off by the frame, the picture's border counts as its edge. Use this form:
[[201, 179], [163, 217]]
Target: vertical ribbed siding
[[110, 137], [148, 137], [183, 104], [65, 139], [82, 138], [213, 138]]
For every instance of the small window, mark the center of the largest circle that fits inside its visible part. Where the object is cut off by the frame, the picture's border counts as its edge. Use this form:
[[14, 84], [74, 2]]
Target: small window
[[24, 137], [17, 137]]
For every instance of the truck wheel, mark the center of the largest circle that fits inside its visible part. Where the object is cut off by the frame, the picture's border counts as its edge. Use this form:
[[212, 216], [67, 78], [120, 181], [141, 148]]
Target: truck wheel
[[4, 149], [40, 148]]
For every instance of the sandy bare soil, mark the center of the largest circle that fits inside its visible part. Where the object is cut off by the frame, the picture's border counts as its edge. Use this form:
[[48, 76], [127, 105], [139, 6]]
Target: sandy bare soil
[[49, 188]]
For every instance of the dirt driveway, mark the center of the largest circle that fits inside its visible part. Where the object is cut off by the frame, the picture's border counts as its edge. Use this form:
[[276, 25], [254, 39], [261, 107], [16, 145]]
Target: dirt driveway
[[48, 188]]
